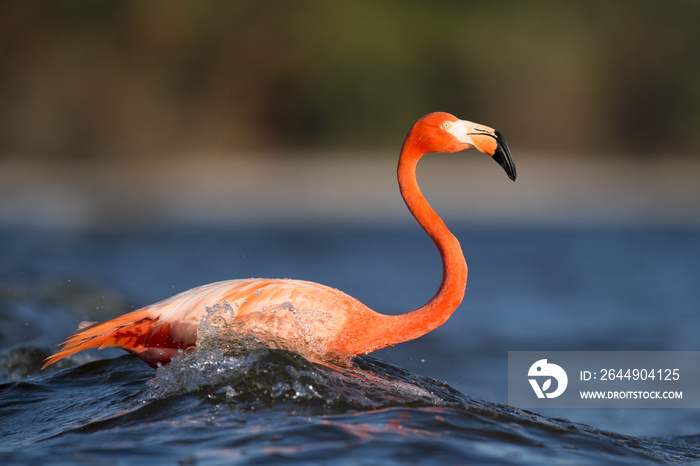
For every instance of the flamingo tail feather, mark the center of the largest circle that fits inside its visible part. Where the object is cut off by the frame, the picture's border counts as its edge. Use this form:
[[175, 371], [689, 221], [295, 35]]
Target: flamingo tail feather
[[136, 332]]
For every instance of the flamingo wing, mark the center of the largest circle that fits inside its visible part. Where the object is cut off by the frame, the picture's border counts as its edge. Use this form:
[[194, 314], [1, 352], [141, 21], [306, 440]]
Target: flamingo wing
[[296, 315]]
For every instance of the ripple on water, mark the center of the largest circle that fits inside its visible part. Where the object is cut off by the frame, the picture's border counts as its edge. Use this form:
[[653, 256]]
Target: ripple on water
[[221, 402], [381, 406]]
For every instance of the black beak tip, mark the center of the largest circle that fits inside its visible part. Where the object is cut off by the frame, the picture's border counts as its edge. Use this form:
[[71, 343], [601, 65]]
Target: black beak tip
[[503, 157]]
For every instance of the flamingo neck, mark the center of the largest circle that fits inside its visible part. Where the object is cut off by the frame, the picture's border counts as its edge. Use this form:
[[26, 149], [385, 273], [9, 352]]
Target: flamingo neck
[[454, 267]]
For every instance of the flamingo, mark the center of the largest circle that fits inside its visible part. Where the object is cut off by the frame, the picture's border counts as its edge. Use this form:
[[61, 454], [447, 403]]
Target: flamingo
[[318, 322]]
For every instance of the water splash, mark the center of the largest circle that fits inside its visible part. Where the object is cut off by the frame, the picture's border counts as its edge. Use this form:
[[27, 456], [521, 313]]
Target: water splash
[[251, 376], [281, 326]]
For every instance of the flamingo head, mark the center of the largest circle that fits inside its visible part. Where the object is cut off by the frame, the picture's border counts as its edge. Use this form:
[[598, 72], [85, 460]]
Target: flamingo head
[[442, 132]]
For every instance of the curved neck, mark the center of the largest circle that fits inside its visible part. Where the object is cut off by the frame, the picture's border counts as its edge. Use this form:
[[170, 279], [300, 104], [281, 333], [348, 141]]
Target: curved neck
[[454, 267]]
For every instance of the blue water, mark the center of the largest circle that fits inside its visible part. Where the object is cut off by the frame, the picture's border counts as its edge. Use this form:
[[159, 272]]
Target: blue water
[[439, 399]]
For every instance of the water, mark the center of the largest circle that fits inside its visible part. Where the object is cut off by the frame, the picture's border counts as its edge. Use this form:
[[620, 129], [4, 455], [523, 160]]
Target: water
[[439, 399]]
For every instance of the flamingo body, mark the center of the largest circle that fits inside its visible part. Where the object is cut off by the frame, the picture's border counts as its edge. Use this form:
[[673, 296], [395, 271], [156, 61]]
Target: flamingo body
[[300, 316], [319, 322]]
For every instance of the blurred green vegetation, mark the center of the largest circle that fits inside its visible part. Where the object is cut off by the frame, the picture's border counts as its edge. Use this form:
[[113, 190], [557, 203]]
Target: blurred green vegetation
[[99, 79]]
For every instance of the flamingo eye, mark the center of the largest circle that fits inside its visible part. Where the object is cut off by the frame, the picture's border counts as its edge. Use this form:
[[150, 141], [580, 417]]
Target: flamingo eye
[[446, 125]]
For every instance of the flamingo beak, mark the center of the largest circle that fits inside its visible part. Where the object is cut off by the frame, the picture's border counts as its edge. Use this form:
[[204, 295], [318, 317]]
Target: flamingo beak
[[486, 140], [503, 157]]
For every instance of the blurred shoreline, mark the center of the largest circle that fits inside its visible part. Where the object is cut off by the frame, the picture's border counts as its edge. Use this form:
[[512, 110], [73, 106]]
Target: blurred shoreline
[[347, 188]]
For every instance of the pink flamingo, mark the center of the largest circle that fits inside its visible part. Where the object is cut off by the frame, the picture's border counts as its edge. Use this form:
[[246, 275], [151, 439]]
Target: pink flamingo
[[316, 321]]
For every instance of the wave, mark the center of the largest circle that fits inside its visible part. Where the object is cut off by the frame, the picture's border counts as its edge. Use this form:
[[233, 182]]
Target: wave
[[216, 402]]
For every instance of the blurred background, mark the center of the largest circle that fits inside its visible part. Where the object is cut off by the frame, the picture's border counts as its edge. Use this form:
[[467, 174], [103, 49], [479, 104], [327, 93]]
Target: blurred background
[[153, 112]]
